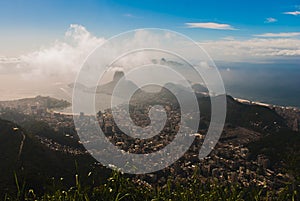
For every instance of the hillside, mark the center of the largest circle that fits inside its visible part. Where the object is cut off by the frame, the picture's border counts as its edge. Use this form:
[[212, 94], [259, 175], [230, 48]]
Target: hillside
[[35, 165], [30, 105]]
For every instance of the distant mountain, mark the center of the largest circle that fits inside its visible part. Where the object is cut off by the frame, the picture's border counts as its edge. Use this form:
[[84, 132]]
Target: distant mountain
[[78, 86], [164, 61], [124, 89], [128, 85], [108, 88], [38, 102], [199, 88]]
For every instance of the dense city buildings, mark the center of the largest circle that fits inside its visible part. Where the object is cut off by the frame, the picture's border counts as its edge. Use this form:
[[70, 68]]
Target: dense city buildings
[[228, 162]]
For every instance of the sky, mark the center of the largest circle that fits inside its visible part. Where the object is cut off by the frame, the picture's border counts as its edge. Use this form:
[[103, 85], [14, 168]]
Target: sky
[[29, 24], [50, 38]]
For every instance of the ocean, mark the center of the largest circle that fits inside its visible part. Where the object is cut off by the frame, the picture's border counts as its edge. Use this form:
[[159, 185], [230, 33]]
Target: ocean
[[268, 83]]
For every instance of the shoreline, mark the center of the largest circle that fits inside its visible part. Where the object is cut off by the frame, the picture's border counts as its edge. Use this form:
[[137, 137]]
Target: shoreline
[[269, 105], [241, 100]]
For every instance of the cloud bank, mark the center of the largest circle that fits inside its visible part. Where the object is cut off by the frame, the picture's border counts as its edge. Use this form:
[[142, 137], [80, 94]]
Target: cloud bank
[[271, 20], [61, 60], [210, 25], [253, 50], [284, 34], [295, 13]]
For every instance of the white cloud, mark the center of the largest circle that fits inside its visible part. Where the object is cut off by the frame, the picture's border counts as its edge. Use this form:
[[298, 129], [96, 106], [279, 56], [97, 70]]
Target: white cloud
[[284, 34], [210, 25], [228, 38], [252, 50], [270, 20], [40, 71], [128, 15], [295, 13], [132, 16], [61, 60]]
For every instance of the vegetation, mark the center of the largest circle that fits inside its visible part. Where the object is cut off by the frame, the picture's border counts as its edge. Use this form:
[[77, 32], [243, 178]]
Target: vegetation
[[53, 103], [119, 187]]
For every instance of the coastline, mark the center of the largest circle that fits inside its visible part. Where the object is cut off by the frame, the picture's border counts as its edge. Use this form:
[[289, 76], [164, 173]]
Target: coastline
[[68, 110], [250, 102]]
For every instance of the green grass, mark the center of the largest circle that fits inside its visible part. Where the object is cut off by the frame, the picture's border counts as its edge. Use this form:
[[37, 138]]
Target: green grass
[[119, 187]]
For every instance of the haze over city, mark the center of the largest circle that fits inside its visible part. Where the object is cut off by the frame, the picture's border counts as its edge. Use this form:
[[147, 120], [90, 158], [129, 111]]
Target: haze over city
[[254, 44]]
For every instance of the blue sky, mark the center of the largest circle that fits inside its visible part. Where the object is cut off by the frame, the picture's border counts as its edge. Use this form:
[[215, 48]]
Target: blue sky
[[30, 23], [242, 28]]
